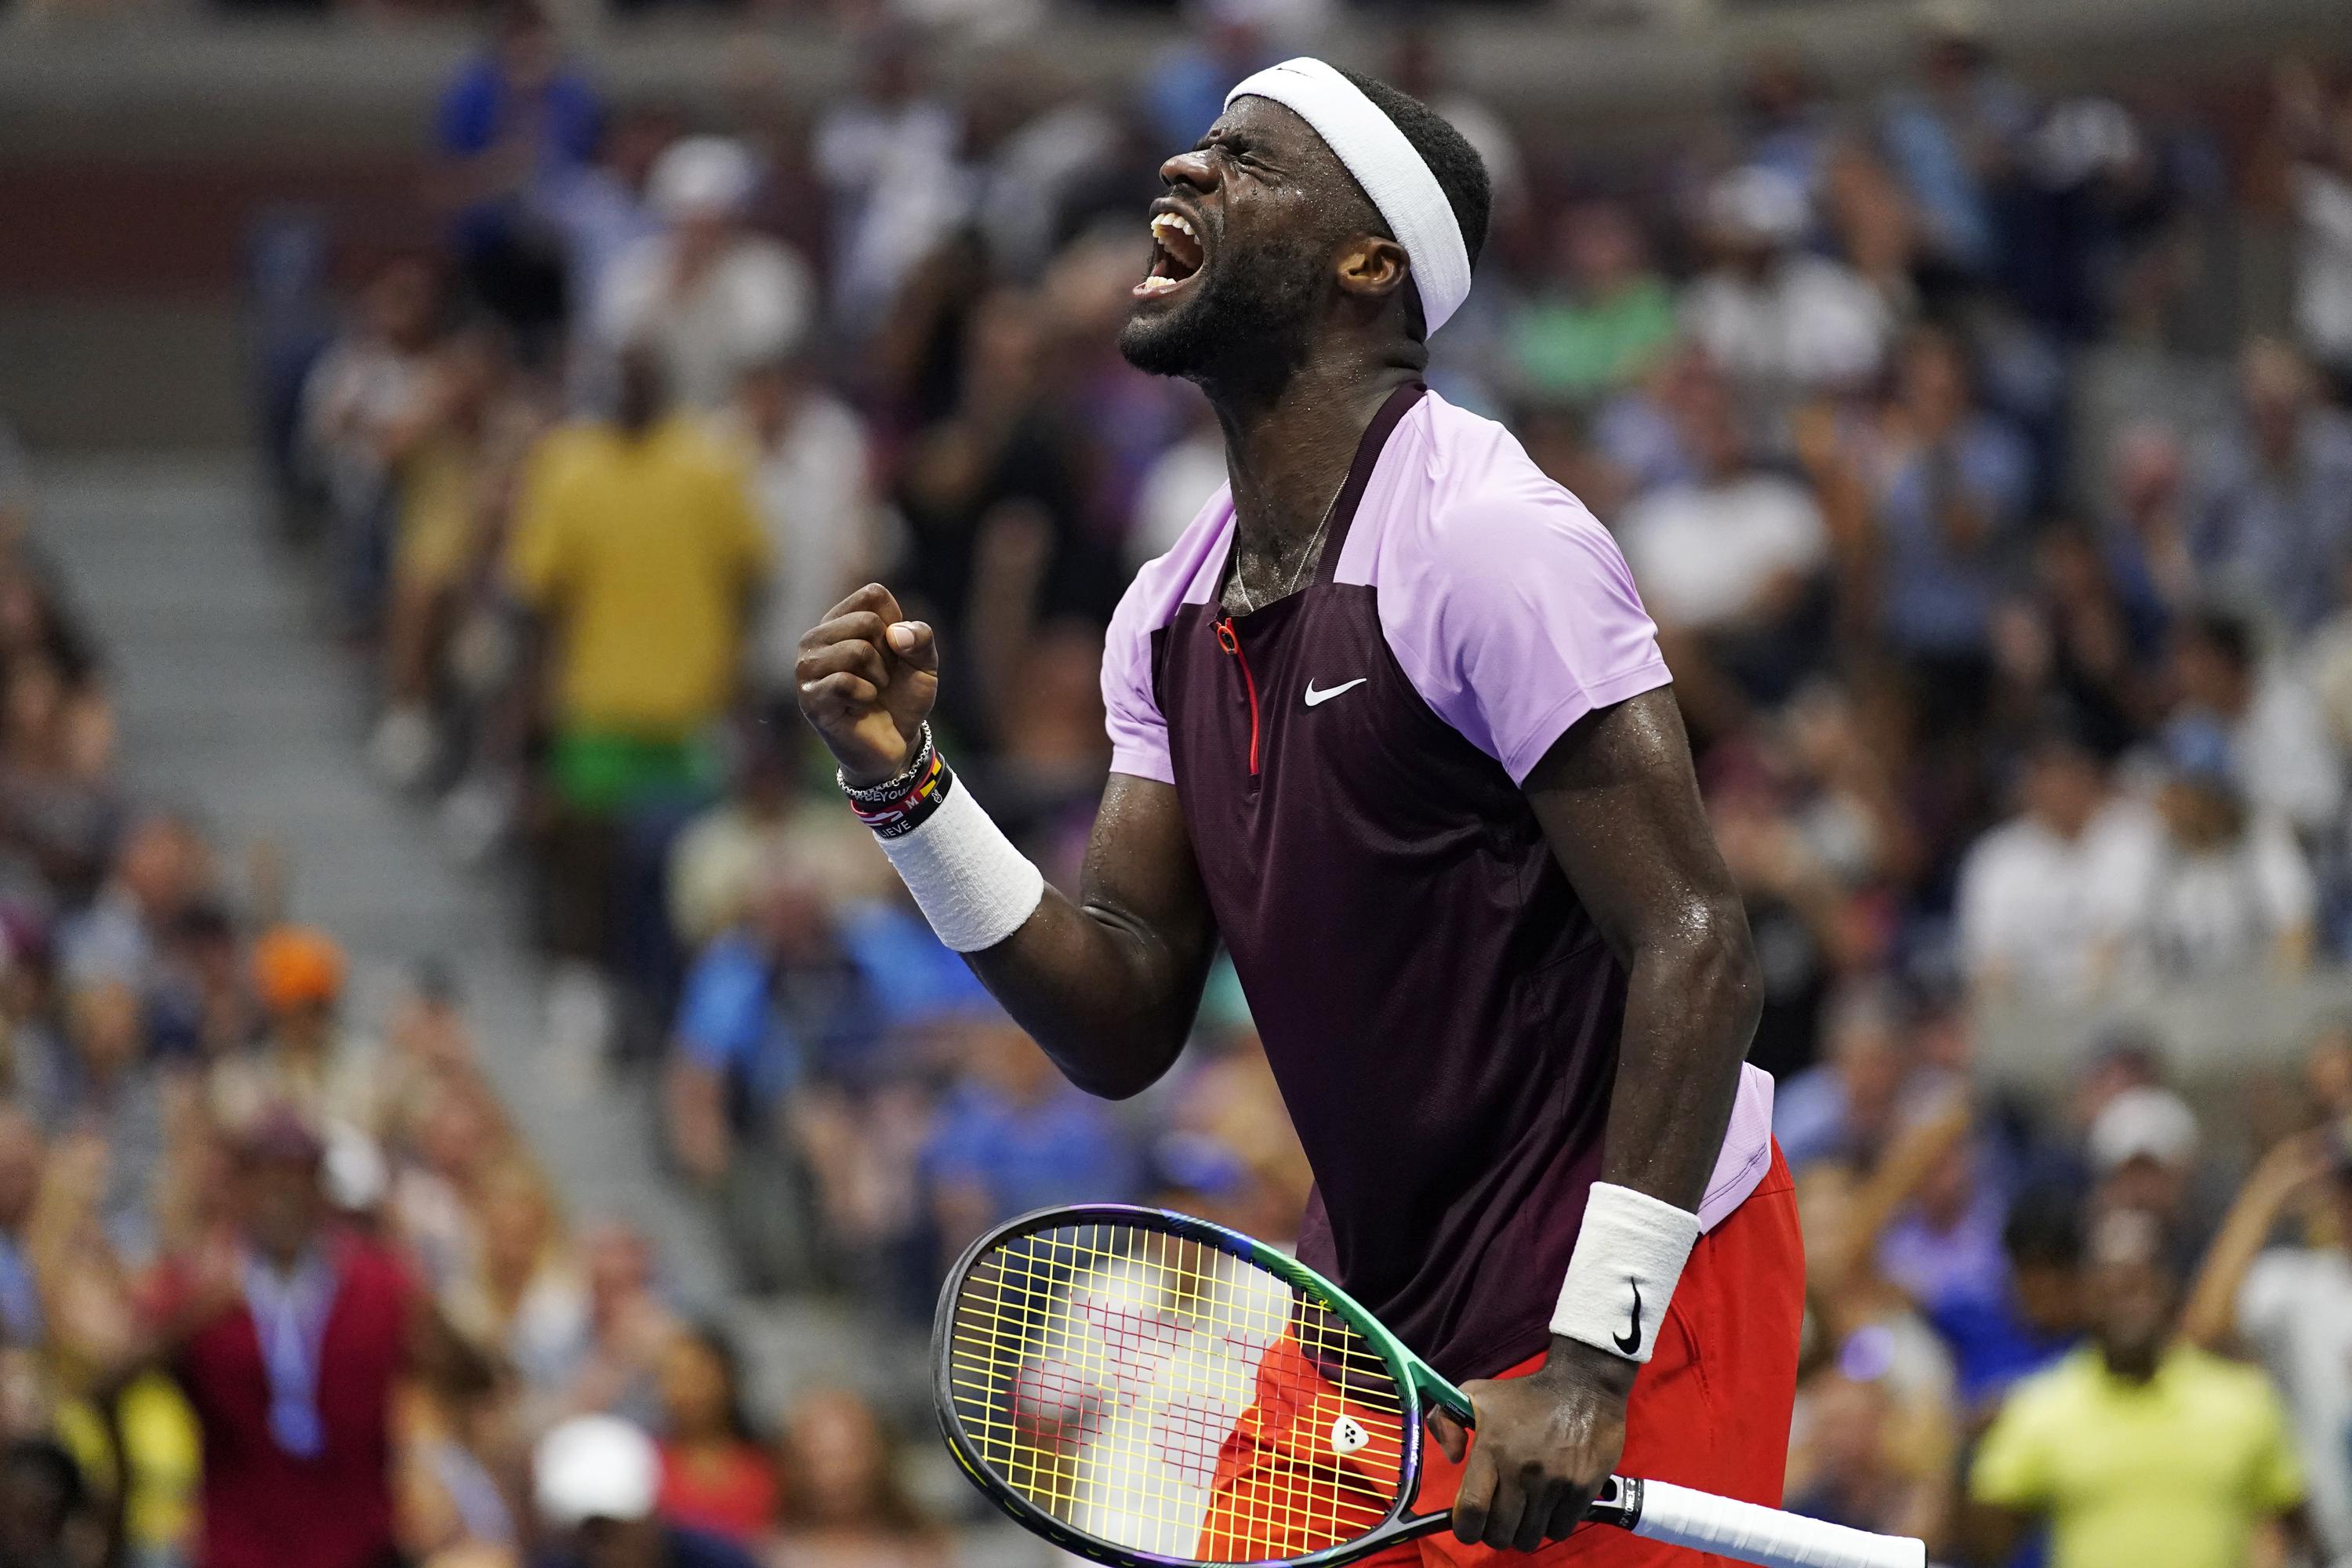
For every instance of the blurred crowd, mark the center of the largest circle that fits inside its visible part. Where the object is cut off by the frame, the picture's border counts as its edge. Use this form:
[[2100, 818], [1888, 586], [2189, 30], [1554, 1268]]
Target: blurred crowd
[[281, 1285], [1984, 456]]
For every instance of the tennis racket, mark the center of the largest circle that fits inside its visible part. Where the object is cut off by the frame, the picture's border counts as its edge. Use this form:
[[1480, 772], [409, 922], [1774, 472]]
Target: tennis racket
[[1149, 1390]]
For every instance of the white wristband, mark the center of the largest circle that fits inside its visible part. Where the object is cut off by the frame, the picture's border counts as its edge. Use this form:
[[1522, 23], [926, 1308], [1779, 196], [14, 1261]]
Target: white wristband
[[1628, 1257], [971, 883]]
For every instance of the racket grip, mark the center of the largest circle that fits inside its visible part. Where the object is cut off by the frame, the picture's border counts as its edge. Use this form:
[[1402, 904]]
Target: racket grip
[[1678, 1516]]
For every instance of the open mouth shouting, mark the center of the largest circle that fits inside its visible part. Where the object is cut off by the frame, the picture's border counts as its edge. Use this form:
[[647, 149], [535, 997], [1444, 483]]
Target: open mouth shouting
[[1177, 254]]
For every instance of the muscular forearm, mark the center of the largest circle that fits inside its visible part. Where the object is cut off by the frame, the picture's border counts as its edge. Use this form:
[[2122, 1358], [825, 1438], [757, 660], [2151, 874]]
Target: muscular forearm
[[1691, 1006], [1108, 985], [1109, 1001], [1620, 805]]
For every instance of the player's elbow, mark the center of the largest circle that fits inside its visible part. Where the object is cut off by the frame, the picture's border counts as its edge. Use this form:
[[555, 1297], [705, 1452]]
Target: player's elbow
[[1116, 1065], [1125, 1086], [1124, 1083], [1720, 974]]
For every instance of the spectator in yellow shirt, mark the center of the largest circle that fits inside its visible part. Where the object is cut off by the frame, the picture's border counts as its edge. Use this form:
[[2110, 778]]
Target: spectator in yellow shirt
[[636, 546], [2140, 1450]]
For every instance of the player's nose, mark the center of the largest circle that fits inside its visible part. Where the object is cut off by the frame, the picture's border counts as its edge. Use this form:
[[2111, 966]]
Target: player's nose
[[1192, 168]]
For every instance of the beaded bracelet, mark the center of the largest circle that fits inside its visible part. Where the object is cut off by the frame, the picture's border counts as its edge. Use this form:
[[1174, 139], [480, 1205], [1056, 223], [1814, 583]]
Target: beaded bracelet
[[890, 788], [903, 812]]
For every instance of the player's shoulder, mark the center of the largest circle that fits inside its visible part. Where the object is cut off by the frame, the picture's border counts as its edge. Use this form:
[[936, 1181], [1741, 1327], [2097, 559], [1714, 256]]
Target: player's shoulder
[[696, 449], [689, 436], [577, 446], [2221, 1382], [564, 456], [2008, 841], [1467, 504], [1181, 574], [2019, 847]]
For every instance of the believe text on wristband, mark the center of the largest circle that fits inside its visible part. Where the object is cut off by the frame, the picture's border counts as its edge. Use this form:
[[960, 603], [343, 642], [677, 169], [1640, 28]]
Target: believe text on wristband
[[898, 814]]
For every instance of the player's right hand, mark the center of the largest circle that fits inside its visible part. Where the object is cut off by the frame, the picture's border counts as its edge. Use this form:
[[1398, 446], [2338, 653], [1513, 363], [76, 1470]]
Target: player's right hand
[[867, 678]]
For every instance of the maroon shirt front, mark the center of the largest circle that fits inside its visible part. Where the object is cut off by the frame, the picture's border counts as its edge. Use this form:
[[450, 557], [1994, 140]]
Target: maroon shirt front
[[263, 1507], [1437, 1006]]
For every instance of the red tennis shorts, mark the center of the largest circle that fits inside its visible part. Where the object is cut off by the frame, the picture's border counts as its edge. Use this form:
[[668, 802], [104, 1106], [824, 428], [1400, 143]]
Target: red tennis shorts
[[1709, 1411]]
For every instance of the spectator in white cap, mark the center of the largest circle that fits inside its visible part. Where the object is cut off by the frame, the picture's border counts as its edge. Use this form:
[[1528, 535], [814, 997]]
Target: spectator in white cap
[[706, 293], [2145, 1123], [595, 1479], [1782, 322], [2143, 1147]]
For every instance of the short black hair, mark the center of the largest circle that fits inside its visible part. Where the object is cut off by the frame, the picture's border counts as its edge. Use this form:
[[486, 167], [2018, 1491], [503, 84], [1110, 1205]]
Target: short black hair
[[1461, 173]]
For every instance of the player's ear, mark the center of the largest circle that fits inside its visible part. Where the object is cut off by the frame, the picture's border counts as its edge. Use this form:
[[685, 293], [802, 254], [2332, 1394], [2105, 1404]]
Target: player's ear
[[1371, 266]]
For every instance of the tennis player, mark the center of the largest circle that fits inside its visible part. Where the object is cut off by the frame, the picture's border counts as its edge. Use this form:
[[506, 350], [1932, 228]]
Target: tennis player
[[1391, 722]]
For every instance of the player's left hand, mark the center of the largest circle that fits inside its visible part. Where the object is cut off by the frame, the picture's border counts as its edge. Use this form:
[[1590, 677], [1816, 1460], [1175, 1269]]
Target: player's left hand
[[1546, 1444]]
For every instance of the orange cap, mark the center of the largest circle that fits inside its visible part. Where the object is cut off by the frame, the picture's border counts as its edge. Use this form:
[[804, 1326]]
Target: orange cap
[[296, 966]]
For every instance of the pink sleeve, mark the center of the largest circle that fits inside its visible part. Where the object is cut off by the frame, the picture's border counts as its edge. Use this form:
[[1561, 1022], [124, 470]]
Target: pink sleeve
[[1138, 734], [1515, 615]]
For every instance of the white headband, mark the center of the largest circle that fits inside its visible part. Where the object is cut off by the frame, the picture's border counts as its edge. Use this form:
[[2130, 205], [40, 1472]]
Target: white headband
[[1368, 142]]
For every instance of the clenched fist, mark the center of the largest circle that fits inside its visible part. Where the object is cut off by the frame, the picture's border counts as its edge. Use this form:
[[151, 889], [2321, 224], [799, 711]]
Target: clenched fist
[[867, 678], [1546, 1445]]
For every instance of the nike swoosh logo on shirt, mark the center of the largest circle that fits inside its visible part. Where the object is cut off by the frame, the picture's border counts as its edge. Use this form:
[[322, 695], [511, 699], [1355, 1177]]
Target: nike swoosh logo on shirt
[[1317, 698]]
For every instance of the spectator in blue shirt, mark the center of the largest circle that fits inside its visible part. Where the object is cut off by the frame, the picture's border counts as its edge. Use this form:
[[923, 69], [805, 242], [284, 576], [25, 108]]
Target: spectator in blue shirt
[[916, 983], [1845, 1106], [1184, 88], [2144, 536], [2273, 520], [515, 119], [765, 1006], [22, 1153], [1952, 486], [1952, 140], [1946, 1254], [1014, 1135], [1786, 116]]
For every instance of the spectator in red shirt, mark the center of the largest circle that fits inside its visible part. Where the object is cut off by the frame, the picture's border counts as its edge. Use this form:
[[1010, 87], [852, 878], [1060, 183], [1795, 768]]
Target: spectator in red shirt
[[287, 1339], [714, 1477]]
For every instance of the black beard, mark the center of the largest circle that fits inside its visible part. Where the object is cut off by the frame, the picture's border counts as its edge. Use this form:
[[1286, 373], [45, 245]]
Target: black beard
[[1243, 332]]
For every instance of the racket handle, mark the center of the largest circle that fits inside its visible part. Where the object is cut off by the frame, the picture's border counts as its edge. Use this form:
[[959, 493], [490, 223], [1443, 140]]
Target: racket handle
[[1659, 1511]]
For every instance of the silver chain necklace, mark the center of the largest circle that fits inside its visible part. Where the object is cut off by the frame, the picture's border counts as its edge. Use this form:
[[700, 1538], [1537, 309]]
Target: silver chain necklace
[[1251, 604]]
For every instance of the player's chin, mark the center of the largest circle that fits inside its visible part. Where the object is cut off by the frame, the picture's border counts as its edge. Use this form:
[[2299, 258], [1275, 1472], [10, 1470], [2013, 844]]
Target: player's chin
[[1163, 333]]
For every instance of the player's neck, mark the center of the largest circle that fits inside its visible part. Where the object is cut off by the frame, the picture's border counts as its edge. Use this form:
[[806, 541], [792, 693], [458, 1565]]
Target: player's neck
[[1287, 452]]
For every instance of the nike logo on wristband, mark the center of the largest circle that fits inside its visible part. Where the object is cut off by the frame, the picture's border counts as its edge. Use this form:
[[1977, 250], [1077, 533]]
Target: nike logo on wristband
[[1631, 1344], [1317, 698]]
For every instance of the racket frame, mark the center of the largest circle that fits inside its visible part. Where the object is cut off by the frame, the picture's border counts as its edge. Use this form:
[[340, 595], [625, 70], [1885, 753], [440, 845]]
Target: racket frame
[[1420, 1386]]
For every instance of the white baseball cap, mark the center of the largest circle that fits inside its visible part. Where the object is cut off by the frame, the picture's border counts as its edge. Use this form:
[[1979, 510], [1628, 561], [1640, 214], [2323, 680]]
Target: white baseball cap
[[1760, 204], [2143, 1124], [702, 177], [595, 1466]]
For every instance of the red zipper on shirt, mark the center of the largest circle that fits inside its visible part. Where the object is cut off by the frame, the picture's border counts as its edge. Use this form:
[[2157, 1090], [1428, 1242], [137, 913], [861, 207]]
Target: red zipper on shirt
[[1232, 643]]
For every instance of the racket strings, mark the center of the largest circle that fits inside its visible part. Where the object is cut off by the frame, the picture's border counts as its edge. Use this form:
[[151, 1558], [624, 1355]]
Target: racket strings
[[1159, 1394]]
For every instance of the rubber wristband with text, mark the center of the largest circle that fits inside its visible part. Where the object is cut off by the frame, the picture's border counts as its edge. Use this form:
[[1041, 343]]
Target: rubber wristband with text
[[908, 810]]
